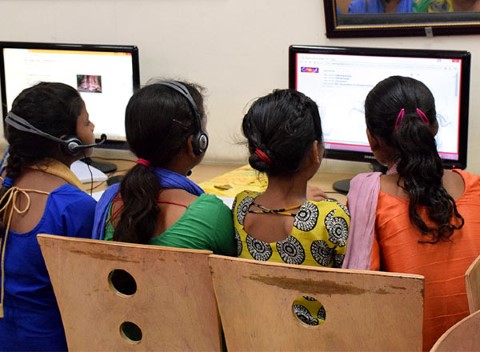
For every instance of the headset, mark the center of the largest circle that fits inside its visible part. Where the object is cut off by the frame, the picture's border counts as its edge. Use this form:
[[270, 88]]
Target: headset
[[200, 138], [72, 145]]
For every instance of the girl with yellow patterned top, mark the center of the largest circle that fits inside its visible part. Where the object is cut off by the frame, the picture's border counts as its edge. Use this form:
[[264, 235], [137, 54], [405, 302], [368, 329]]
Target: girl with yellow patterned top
[[285, 141]]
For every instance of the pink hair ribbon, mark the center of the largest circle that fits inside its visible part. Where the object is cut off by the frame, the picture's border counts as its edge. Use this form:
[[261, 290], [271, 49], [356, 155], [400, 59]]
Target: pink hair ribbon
[[143, 162]]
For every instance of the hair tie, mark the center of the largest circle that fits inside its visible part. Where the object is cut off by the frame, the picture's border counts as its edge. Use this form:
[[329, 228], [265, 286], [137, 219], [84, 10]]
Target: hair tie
[[400, 117], [143, 162], [423, 117], [7, 182], [264, 157]]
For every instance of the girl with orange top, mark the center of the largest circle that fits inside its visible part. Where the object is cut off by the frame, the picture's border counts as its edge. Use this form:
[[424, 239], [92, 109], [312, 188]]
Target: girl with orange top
[[417, 218]]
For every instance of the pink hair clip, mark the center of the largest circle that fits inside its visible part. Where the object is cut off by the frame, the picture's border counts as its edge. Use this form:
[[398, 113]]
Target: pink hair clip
[[423, 117], [400, 117]]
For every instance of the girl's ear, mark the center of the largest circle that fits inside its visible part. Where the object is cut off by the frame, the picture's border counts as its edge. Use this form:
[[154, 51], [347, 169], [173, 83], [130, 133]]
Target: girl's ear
[[315, 155], [435, 128], [189, 146], [317, 152], [374, 142]]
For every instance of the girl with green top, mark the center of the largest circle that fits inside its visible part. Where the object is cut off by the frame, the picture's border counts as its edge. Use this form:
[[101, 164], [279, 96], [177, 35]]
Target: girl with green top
[[156, 203]]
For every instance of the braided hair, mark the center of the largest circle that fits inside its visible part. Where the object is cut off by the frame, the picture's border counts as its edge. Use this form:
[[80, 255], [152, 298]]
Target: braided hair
[[280, 128]]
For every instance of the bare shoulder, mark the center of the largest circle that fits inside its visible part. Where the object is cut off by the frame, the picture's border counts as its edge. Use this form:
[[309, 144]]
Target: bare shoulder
[[177, 195], [35, 179], [390, 184], [453, 183]]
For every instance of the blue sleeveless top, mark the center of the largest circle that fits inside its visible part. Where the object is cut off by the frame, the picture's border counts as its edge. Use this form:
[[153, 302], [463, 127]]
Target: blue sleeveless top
[[32, 319]]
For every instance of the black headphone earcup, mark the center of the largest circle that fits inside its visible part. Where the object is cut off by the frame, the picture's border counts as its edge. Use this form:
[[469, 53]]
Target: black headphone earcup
[[72, 145], [200, 138], [200, 143]]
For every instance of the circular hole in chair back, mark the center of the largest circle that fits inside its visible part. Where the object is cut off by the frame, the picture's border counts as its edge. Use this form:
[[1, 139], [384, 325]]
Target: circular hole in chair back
[[131, 332], [309, 311], [123, 282]]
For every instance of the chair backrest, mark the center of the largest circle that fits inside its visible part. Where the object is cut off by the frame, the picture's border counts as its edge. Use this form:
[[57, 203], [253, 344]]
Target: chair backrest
[[463, 336], [472, 285], [355, 310], [169, 306]]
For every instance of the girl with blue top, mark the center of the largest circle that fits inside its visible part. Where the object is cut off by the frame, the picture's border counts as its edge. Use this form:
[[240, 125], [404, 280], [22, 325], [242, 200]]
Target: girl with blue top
[[156, 203], [47, 129]]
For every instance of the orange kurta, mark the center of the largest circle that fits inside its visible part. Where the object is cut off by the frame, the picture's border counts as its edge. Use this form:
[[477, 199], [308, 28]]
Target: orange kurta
[[396, 249]]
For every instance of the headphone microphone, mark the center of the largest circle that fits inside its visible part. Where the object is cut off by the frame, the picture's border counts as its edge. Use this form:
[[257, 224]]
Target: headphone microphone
[[72, 145]]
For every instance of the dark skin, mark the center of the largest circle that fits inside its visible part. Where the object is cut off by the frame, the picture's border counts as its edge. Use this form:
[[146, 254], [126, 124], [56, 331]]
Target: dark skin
[[182, 164]]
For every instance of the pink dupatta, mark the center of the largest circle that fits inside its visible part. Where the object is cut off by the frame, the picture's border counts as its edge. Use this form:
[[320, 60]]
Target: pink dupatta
[[362, 204]]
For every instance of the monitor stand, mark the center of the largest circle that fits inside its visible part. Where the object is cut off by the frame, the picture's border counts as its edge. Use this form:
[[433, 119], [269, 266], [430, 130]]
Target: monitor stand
[[343, 186], [103, 166]]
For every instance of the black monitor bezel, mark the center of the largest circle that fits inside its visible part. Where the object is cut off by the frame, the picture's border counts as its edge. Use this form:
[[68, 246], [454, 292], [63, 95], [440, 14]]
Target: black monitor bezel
[[464, 56], [132, 49]]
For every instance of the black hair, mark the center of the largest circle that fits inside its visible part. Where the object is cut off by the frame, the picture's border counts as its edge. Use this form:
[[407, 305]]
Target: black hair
[[282, 125], [158, 122], [412, 140], [51, 107]]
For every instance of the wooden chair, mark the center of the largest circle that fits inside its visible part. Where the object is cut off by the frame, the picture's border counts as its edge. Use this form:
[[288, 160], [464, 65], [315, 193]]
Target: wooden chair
[[362, 310], [169, 306], [463, 336], [472, 285]]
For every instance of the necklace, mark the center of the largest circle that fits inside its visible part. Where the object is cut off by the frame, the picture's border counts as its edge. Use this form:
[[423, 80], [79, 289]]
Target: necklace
[[281, 211]]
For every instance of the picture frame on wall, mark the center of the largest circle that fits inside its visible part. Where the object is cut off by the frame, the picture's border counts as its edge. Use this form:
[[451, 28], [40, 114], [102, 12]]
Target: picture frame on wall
[[373, 18]]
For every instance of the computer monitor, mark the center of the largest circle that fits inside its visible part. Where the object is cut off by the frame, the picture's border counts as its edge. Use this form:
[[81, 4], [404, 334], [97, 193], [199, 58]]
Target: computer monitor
[[105, 75], [339, 79]]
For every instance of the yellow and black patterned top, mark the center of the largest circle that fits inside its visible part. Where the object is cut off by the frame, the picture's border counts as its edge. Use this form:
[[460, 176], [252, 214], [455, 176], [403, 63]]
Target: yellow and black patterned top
[[318, 237]]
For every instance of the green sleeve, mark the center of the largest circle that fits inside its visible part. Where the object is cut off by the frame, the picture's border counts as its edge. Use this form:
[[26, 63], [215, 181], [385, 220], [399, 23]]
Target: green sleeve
[[224, 232]]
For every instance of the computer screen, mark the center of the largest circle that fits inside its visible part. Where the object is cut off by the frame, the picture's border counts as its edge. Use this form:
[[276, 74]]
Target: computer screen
[[339, 79], [105, 75]]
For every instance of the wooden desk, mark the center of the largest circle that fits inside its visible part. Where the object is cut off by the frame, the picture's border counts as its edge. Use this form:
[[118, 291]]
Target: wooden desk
[[230, 183], [214, 178]]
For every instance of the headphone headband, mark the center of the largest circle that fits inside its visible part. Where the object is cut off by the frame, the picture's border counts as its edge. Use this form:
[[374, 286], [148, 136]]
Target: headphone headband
[[72, 145], [200, 140], [21, 124]]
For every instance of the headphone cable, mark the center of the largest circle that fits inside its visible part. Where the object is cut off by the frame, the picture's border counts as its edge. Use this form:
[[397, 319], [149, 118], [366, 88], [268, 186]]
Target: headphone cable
[[4, 157], [91, 173]]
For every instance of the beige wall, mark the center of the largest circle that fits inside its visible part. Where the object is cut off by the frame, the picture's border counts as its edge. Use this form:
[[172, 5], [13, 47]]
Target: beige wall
[[237, 49]]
